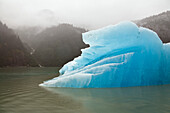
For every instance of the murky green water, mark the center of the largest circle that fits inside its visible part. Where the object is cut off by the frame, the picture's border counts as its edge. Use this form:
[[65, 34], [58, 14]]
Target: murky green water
[[20, 93]]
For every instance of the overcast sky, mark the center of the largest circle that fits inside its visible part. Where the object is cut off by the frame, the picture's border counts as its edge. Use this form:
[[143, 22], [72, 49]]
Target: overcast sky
[[90, 14]]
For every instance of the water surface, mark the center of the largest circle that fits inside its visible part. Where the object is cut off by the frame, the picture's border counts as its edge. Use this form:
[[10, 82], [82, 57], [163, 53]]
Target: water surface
[[20, 93]]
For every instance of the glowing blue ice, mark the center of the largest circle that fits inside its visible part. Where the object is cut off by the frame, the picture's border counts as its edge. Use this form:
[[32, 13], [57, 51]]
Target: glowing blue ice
[[119, 55]]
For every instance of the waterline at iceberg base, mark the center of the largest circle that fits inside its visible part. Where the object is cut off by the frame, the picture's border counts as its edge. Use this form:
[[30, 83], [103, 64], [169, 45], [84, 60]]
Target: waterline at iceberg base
[[119, 55]]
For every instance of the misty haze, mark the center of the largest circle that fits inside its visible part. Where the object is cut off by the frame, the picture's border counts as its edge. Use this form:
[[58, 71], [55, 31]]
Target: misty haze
[[84, 56]]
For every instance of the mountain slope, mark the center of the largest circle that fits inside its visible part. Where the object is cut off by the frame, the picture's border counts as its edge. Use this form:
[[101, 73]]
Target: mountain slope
[[159, 23], [12, 51], [57, 45], [27, 34]]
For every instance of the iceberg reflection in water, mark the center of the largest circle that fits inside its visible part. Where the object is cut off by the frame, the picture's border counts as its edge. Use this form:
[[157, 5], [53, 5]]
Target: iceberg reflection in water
[[149, 99], [120, 55]]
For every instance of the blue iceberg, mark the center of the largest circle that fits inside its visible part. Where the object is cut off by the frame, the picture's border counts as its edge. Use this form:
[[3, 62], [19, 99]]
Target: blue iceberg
[[119, 55]]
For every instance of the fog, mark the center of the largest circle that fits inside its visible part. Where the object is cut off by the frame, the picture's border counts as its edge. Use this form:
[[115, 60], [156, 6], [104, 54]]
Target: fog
[[90, 14]]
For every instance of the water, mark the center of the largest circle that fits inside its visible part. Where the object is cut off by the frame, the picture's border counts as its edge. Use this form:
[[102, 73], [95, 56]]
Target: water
[[20, 93]]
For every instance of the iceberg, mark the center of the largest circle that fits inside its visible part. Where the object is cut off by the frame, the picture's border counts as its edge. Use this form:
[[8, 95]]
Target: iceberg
[[120, 55]]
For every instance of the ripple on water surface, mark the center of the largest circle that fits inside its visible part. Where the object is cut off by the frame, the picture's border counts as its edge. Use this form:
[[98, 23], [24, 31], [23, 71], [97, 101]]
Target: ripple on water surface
[[20, 93]]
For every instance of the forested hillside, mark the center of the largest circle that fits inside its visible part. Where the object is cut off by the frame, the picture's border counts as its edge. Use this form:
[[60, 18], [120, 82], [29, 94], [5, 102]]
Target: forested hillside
[[12, 51]]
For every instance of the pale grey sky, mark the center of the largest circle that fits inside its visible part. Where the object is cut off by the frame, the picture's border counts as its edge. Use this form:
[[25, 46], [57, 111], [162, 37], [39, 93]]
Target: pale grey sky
[[90, 14]]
